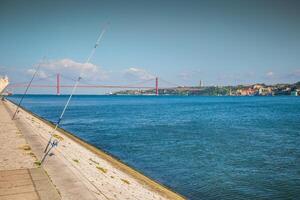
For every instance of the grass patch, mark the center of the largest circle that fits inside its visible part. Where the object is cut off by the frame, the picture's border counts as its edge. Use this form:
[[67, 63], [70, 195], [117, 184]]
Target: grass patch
[[95, 162], [26, 147], [58, 137], [38, 163], [18, 133], [75, 160], [102, 169], [32, 155], [125, 181]]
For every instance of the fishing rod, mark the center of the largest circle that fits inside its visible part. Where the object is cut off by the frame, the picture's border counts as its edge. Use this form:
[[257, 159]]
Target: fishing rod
[[27, 88], [55, 142]]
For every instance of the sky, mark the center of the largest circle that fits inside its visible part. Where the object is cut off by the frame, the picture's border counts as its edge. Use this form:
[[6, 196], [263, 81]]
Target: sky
[[182, 42]]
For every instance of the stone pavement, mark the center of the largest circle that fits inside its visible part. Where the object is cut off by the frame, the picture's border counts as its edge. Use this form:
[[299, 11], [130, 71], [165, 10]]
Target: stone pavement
[[15, 153], [20, 177], [26, 184], [69, 185]]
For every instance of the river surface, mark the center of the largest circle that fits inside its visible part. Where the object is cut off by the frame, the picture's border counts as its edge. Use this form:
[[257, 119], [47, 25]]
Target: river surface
[[202, 147]]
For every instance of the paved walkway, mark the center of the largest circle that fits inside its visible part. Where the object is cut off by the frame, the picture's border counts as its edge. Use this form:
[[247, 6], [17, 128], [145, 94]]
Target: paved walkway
[[26, 184], [69, 184], [14, 150], [20, 177]]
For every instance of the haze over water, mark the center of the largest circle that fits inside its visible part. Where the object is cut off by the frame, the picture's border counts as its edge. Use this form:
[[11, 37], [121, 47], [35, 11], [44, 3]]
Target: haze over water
[[202, 147]]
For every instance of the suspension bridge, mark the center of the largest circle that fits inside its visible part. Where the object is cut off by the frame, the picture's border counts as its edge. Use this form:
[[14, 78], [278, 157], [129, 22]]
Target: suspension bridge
[[55, 81]]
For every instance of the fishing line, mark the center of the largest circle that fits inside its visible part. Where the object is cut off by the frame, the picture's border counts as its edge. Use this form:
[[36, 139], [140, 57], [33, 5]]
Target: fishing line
[[27, 88], [46, 152]]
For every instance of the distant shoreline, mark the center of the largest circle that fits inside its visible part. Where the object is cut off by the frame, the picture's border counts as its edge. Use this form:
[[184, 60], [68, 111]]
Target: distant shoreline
[[239, 90], [140, 95]]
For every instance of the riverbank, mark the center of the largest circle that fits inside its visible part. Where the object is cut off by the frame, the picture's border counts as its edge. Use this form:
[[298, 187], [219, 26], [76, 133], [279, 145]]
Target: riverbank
[[95, 174]]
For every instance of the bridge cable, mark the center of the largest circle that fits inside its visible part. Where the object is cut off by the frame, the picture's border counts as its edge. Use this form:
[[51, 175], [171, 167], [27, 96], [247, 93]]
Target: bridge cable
[[170, 83], [26, 90]]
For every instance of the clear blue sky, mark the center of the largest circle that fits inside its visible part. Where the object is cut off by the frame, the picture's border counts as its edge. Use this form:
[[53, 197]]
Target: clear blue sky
[[219, 42]]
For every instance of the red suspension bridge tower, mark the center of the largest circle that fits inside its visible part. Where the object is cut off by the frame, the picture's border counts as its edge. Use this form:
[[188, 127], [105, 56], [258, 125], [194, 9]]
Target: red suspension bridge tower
[[57, 84], [156, 86]]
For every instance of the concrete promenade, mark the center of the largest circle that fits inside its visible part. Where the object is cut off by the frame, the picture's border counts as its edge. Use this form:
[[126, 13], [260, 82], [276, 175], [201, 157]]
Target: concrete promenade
[[20, 136], [20, 176]]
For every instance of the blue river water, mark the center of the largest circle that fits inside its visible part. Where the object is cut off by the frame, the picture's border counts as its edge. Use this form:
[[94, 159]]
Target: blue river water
[[201, 147]]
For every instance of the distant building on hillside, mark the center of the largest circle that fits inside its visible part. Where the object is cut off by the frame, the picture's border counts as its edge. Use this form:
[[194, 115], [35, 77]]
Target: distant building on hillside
[[246, 92], [257, 86], [265, 91], [200, 83], [295, 93]]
